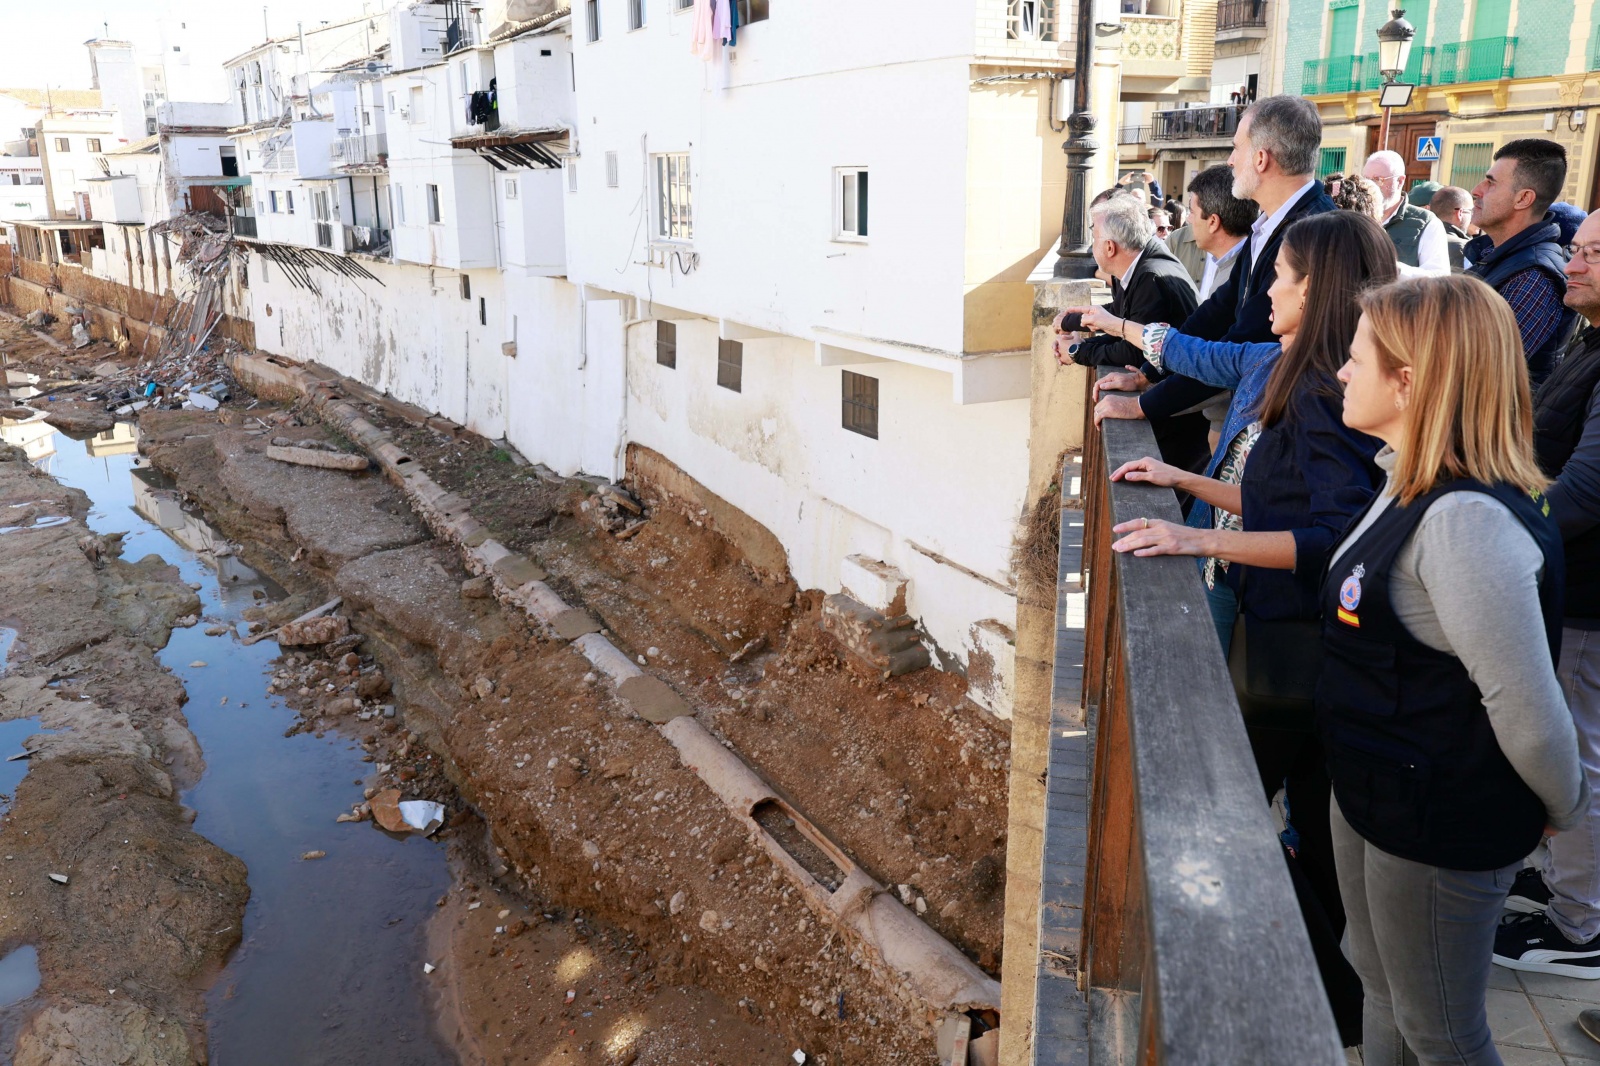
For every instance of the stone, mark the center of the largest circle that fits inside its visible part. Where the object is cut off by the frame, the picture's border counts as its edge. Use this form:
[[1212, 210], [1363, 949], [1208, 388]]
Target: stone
[[573, 623], [477, 588], [372, 685], [516, 571], [216, 631], [341, 705], [677, 903], [517, 928], [311, 856], [483, 688], [313, 631], [652, 699], [591, 850], [891, 646], [711, 922], [566, 776]]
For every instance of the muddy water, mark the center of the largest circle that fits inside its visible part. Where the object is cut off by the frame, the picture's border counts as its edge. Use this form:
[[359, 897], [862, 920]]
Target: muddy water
[[330, 969]]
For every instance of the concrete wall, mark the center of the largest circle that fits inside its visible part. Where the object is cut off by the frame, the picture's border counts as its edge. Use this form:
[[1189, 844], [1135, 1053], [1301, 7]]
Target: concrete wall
[[115, 199], [121, 84]]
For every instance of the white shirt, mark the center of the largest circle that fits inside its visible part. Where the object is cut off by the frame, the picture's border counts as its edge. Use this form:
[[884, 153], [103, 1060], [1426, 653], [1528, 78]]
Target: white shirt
[[1433, 251], [1131, 268], [1265, 226], [1216, 269]]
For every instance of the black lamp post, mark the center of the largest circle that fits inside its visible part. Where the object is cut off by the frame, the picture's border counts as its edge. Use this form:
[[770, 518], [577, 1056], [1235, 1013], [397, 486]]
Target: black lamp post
[[1073, 257], [1394, 52]]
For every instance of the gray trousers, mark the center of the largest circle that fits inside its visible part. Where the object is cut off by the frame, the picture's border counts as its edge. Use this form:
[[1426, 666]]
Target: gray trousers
[[1571, 863], [1420, 937]]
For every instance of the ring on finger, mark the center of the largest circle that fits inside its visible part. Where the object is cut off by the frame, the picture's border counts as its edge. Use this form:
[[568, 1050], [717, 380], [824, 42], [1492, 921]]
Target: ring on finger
[[1146, 522]]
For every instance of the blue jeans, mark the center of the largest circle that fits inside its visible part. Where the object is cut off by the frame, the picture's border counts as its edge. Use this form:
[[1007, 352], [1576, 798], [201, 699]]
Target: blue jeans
[[1224, 606]]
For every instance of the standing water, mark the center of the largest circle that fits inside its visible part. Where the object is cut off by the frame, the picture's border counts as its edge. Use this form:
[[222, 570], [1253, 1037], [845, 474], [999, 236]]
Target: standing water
[[330, 968]]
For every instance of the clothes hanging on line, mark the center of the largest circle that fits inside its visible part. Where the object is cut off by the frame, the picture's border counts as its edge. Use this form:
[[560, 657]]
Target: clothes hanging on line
[[703, 42], [733, 22]]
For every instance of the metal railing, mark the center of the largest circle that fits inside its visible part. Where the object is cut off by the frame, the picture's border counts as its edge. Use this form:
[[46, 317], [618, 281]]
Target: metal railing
[[243, 225], [1133, 134], [1419, 69], [368, 239], [1484, 59], [1338, 74], [1192, 947], [1241, 14], [1194, 123], [361, 149], [324, 234]]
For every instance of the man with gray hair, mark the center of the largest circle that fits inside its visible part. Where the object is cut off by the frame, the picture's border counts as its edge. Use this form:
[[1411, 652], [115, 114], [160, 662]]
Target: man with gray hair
[[1419, 239]]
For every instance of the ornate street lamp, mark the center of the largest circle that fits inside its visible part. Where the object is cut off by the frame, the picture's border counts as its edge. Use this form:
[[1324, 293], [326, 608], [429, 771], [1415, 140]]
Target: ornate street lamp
[[1394, 52], [1073, 257]]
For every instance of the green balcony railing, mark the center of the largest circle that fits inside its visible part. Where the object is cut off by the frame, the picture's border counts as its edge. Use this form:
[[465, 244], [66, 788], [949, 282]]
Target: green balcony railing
[[1339, 74], [1419, 69], [1594, 49], [1485, 59]]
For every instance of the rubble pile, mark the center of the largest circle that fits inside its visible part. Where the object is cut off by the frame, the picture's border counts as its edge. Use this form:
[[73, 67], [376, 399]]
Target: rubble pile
[[614, 510]]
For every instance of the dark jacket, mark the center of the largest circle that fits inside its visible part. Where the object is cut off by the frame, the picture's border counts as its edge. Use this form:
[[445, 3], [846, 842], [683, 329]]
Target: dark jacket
[[1536, 248], [1159, 290], [1309, 474], [1405, 228], [1456, 239], [1238, 310], [1566, 441]]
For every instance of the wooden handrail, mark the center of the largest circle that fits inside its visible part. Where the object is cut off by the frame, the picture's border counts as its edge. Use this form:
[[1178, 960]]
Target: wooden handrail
[[1190, 924]]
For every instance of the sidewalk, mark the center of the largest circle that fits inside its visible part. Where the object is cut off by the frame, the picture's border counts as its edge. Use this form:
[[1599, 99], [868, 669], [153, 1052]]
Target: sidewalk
[[1534, 1017]]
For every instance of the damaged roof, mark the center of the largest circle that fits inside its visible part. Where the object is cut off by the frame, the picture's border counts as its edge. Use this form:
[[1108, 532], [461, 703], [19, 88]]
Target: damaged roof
[[143, 146], [535, 14]]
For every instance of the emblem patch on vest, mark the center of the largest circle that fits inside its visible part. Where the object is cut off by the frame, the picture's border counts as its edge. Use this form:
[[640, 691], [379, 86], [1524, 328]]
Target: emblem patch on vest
[[1350, 596]]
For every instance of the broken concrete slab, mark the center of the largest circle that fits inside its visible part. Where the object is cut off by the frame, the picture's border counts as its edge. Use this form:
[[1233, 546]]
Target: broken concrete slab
[[572, 624], [653, 699], [318, 458], [516, 571], [313, 631]]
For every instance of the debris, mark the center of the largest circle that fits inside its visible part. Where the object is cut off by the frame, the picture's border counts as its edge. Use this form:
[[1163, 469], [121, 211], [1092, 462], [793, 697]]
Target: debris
[[19, 755], [406, 816], [799, 1057], [750, 648], [317, 457], [676, 904], [308, 616], [197, 664], [477, 588], [80, 335], [312, 855], [483, 688], [428, 967], [59, 879], [216, 631], [200, 400]]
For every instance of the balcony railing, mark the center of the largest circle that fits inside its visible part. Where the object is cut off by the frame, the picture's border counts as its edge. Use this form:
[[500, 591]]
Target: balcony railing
[[1133, 134], [243, 225], [1419, 69], [1339, 74], [1485, 59], [1162, 867], [1594, 48], [367, 239], [1196, 123], [324, 234], [361, 150], [1241, 14]]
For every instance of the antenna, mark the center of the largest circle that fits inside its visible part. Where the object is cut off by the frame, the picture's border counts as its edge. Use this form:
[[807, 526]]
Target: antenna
[[265, 29]]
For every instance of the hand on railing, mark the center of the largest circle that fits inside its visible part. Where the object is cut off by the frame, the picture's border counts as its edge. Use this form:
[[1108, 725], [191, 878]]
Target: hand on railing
[[1128, 379], [1152, 536], [1117, 406]]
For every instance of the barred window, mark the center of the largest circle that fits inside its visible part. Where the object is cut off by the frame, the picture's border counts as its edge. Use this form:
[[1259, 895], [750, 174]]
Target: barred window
[[1031, 20], [860, 404], [1469, 163], [674, 201]]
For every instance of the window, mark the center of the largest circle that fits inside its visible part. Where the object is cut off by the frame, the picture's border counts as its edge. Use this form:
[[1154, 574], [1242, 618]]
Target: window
[[94, 144], [682, 5], [483, 311], [466, 287], [850, 217], [391, 103], [1331, 162], [611, 170], [635, 14], [667, 344], [730, 365], [400, 204], [461, 68], [511, 188], [288, 199], [1031, 20], [272, 198], [674, 205], [860, 404], [433, 203], [591, 9], [572, 175], [752, 11], [63, 145], [1469, 163]]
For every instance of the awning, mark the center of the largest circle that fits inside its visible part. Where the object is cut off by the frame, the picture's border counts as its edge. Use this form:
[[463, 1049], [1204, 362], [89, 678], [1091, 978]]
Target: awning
[[507, 149]]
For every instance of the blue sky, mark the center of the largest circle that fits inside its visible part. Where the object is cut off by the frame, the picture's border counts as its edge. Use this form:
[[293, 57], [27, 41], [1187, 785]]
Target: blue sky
[[41, 41]]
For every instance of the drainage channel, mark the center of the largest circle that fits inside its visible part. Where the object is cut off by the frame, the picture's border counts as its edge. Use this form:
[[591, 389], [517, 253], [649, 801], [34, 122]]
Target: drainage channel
[[330, 967]]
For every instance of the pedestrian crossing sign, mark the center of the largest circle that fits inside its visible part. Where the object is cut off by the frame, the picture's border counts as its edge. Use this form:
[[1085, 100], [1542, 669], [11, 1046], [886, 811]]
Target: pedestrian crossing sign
[[1428, 149]]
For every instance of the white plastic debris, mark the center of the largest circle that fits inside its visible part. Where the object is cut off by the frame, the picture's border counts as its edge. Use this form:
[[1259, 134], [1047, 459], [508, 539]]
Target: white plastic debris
[[202, 401], [59, 879], [428, 967], [799, 1057]]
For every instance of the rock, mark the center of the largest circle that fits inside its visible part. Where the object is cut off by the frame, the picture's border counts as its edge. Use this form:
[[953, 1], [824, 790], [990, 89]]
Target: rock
[[483, 688], [216, 631], [711, 922], [591, 850], [477, 588], [372, 685], [922, 905], [517, 928], [341, 705], [615, 768], [725, 850], [504, 914], [350, 660], [905, 894], [676, 904], [313, 631], [312, 855], [197, 664], [350, 816], [566, 776], [59, 879], [253, 614], [303, 456]]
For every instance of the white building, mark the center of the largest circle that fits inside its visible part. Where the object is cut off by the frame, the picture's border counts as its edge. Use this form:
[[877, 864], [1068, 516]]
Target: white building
[[21, 188]]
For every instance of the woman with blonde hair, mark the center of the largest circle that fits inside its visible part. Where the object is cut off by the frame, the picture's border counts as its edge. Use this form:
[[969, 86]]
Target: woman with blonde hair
[[1449, 744]]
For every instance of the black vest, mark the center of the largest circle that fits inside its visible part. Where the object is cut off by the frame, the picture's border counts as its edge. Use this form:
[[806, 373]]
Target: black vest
[[1415, 764], [1560, 411]]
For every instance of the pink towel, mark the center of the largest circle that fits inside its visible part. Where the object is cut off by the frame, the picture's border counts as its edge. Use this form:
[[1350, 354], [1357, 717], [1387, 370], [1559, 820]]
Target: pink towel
[[705, 43]]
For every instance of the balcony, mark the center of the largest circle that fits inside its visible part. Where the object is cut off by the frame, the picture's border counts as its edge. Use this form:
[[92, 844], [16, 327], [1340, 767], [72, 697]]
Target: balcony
[[1197, 123], [359, 152], [1419, 70], [368, 240], [1485, 59], [1337, 75], [1133, 134], [1239, 20], [243, 225]]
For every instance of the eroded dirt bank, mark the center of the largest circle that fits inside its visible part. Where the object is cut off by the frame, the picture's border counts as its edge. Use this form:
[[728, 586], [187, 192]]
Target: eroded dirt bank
[[149, 908], [589, 805]]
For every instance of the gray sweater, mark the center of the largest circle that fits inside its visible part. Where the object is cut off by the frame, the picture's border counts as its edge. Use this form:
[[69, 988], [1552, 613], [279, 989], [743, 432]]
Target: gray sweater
[[1466, 583]]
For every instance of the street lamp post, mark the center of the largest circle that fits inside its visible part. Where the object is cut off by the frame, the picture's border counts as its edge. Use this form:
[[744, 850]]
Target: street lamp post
[[1394, 52], [1074, 258]]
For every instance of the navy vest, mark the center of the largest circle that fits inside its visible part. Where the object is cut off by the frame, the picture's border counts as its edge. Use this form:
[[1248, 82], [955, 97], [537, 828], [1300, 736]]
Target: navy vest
[[1538, 247], [1415, 764]]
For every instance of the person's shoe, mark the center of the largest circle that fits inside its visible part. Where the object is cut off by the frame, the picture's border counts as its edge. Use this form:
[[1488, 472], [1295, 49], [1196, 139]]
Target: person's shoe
[[1532, 942], [1589, 1022], [1529, 895]]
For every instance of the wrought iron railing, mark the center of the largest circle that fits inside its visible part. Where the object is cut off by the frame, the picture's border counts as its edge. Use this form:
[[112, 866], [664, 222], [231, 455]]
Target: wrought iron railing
[[1133, 134], [1241, 14], [1338, 74], [243, 225], [1484, 59], [1194, 123]]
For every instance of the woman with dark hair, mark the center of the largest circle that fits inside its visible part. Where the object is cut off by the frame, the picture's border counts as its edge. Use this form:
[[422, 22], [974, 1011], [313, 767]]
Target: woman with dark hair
[[1287, 478]]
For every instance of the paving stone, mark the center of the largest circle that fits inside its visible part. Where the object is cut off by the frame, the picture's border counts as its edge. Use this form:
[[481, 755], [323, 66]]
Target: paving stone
[[1560, 1017], [653, 699], [1512, 1055], [573, 623], [515, 570], [1556, 987], [1512, 1020]]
